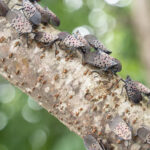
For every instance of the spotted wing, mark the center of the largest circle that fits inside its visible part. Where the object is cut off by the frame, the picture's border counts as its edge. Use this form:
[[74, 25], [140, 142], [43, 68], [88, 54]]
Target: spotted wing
[[46, 37], [19, 22], [99, 46], [92, 40], [72, 42], [120, 128], [29, 9], [104, 61], [79, 37]]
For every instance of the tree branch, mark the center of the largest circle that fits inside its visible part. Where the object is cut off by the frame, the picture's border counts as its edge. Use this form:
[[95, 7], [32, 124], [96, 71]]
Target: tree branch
[[68, 90]]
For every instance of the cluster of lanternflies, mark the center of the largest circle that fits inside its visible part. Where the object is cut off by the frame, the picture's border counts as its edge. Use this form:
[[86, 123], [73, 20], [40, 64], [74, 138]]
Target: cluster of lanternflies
[[33, 14]]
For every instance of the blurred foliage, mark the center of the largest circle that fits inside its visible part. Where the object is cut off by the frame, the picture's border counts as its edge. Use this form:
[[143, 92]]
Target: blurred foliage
[[23, 124]]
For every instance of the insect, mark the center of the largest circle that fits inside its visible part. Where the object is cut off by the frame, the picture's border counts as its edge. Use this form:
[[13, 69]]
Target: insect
[[96, 44], [120, 128], [3, 8], [47, 15], [101, 60], [30, 11], [79, 37], [19, 22], [67, 41], [92, 144], [132, 89], [144, 134], [47, 39]]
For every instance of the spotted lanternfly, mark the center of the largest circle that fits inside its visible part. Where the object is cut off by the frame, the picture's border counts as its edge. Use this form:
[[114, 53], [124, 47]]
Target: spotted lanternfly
[[96, 44], [144, 134], [47, 15], [132, 91], [30, 11], [92, 144], [101, 60], [3, 8], [120, 128], [79, 37], [19, 22], [46, 38], [69, 42]]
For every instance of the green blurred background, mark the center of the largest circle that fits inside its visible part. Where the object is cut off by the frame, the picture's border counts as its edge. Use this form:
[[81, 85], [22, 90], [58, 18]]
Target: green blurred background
[[26, 126]]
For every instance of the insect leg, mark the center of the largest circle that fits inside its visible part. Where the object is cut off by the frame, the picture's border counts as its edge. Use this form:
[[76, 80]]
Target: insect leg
[[116, 84]]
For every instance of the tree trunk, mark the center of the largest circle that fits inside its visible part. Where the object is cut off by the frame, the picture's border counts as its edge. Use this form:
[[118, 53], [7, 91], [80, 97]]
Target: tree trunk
[[67, 89]]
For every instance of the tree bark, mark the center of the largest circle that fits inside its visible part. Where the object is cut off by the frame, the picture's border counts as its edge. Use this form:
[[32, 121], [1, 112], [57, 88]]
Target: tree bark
[[68, 90]]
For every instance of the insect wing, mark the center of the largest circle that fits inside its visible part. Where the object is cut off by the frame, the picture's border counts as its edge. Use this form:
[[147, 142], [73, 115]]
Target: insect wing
[[19, 21], [79, 37], [103, 60], [29, 9], [70, 41], [120, 128], [45, 37], [94, 42]]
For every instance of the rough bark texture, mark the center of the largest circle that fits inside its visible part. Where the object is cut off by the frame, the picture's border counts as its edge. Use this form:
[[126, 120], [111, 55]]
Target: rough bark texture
[[68, 90]]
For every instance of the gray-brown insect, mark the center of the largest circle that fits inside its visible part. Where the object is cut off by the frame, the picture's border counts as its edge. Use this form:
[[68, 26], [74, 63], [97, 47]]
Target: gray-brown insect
[[92, 144], [47, 39], [19, 22], [30, 11], [47, 15], [96, 44], [144, 134], [120, 128], [101, 60], [79, 37], [3, 8], [68, 42], [132, 91]]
